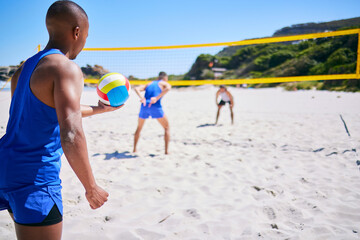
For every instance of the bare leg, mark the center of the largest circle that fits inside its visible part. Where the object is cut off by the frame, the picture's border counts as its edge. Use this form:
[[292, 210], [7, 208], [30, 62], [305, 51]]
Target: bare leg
[[11, 215], [51, 232], [218, 113], [141, 122], [232, 115], [165, 123]]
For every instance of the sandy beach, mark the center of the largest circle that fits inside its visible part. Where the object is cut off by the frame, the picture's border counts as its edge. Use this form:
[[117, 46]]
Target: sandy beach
[[284, 170]]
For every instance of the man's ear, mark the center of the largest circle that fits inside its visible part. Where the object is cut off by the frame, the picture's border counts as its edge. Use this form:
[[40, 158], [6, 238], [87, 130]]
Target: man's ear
[[76, 33]]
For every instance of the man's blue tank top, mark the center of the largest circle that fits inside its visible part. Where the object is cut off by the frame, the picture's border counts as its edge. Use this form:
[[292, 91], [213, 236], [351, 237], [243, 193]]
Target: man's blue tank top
[[30, 150], [153, 90]]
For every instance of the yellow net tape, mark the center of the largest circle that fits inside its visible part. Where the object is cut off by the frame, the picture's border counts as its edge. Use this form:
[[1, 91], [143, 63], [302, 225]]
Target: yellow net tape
[[237, 43], [5, 84], [358, 57], [244, 81]]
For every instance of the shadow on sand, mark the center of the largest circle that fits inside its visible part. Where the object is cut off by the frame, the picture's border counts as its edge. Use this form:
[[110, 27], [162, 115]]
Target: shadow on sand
[[117, 155], [207, 125]]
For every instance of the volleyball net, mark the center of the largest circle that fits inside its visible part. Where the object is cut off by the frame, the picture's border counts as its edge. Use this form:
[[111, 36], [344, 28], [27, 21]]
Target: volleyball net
[[182, 64], [212, 63]]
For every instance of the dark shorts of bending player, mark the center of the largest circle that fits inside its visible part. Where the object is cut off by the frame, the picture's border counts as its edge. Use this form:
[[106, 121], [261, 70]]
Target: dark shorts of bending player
[[222, 103]]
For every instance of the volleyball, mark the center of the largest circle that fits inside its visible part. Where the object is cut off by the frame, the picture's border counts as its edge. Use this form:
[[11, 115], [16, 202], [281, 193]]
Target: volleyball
[[113, 89]]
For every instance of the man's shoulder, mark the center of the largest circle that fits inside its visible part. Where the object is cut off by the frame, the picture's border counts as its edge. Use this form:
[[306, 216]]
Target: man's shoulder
[[164, 83], [60, 65], [60, 61]]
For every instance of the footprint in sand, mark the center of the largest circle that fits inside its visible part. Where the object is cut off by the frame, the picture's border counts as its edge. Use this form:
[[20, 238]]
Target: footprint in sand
[[192, 213], [269, 212]]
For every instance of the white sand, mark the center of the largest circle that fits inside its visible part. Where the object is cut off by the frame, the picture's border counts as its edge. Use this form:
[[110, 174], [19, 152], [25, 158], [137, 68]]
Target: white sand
[[284, 170]]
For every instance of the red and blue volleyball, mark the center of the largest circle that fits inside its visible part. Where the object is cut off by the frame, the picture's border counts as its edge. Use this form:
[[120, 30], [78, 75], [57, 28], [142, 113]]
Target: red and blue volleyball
[[113, 89]]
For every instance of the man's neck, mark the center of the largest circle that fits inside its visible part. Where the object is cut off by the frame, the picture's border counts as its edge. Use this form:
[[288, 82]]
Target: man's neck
[[61, 47]]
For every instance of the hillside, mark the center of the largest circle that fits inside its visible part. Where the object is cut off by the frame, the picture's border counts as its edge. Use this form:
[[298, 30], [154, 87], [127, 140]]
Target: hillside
[[303, 28], [7, 72], [335, 55], [317, 27]]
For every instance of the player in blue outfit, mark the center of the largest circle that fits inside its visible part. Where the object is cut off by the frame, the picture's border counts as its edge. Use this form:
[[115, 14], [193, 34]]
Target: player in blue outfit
[[151, 106], [44, 122]]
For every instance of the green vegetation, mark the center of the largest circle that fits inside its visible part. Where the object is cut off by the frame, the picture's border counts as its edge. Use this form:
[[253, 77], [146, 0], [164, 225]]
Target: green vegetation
[[93, 72], [317, 27], [170, 77], [323, 56]]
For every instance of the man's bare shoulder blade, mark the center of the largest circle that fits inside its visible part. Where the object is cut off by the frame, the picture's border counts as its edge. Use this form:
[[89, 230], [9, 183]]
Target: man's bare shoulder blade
[[164, 83], [63, 67]]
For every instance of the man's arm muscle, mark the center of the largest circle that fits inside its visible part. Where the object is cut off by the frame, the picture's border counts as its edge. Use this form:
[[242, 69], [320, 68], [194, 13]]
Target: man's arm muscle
[[68, 85]]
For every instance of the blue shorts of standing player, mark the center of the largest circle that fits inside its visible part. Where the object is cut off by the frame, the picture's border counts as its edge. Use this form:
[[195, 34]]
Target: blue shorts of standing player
[[151, 111], [151, 106]]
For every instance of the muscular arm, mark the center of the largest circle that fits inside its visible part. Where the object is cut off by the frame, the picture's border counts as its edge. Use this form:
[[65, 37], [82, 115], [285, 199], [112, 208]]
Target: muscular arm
[[138, 91], [165, 88], [67, 92], [231, 98], [217, 96]]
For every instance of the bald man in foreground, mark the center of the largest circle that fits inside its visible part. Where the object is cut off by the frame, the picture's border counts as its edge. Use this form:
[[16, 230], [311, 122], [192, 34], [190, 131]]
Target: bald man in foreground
[[45, 121]]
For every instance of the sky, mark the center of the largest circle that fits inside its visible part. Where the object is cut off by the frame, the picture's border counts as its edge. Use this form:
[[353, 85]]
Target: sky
[[134, 23]]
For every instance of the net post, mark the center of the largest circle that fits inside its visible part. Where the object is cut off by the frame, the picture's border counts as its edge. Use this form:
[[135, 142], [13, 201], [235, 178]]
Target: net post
[[358, 58]]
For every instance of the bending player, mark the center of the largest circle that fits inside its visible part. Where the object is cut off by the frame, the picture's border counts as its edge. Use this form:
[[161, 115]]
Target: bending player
[[225, 97], [45, 121], [151, 106]]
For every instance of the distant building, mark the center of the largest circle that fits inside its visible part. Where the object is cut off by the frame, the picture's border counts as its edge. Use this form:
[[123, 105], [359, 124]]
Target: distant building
[[218, 72]]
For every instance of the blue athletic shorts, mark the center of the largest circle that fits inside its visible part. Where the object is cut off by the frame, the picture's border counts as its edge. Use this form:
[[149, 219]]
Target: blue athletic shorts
[[31, 204], [153, 112]]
